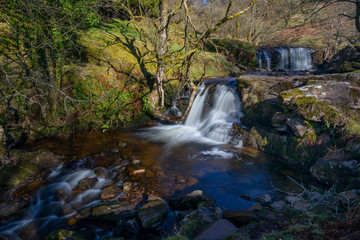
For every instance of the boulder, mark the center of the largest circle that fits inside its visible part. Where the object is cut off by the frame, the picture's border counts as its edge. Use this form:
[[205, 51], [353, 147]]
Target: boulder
[[153, 213], [110, 192], [239, 217], [217, 230], [193, 201]]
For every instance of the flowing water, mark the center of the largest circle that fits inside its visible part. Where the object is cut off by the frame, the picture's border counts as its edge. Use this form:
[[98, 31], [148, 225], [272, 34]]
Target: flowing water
[[178, 159], [285, 58]]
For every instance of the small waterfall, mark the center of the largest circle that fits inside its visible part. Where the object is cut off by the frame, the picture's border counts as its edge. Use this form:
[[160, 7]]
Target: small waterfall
[[207, 123], [286, 58]]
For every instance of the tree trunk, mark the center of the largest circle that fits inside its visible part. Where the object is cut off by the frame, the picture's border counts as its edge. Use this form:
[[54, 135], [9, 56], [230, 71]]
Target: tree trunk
[[161, 51]]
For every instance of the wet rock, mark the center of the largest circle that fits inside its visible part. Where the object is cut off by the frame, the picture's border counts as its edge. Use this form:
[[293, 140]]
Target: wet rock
[[153, 213], [12, 208], [239, 218], [299, 127], [101, 172], [192, 201], [264, 199], [110, 192], [111, 210], [331, 171], [87, 183], [278, 205], [217, 230], [64, 234]]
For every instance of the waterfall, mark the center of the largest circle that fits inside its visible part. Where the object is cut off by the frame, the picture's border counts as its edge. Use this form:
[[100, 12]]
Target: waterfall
[[286, 58], [209, 121], [300, 59]]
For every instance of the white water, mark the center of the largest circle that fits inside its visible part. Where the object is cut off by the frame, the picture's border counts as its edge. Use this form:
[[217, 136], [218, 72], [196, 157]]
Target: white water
[[55, 203], [289, 59], [212, 126]]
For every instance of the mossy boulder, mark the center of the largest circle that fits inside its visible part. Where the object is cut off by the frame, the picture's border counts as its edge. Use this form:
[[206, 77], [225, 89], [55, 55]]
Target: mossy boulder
[[25, 166], [64, 234], [346, 60]]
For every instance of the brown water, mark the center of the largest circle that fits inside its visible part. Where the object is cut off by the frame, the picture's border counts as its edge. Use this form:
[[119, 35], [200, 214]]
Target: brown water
[[182, 170]]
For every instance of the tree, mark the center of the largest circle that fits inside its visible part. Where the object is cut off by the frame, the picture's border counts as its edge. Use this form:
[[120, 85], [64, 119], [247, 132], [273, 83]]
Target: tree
[[192, 40], [37, 39]]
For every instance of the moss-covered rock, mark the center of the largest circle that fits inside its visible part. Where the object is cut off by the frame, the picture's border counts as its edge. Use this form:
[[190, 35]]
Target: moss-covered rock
[[64, 234], [346, 60]]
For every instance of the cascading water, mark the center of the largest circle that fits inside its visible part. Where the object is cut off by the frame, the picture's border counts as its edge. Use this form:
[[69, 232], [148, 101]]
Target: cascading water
[[286, 58], [212, 126]]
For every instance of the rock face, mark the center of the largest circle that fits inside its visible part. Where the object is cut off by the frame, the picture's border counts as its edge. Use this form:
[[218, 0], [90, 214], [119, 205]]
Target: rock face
[[346, 60], [298, 118], [217, 230], [153, 213]]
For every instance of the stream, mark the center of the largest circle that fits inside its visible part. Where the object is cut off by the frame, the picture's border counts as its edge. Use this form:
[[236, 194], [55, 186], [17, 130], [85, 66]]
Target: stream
[[173, 160]]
